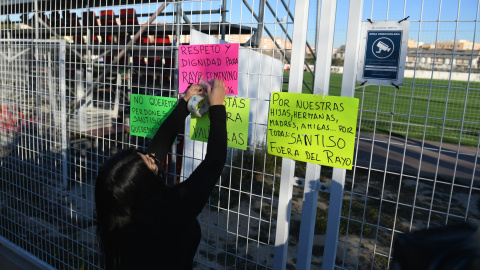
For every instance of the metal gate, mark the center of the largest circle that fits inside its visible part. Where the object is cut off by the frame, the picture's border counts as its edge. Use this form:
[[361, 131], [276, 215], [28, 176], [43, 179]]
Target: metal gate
[[65, 108]]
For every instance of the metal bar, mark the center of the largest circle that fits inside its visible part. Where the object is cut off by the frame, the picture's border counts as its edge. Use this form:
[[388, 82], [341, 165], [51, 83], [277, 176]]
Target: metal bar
[[261, 24], [119, 56], [18, 54], [37, 37], [463, 117], [348, 90], [268, 32], [274, 41], [288, 165], [431, 91], [224, 18], [445, 117], [278, 21], [185, 18], [193, 12], [28, 256], [109, 48], [291, 17], [172, 165], [53, 32], [324, 45], [63, 113], [283, 216]]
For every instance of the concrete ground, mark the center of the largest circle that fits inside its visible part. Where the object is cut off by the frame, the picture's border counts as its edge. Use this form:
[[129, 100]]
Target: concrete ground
[[448, 162], [429, 159]]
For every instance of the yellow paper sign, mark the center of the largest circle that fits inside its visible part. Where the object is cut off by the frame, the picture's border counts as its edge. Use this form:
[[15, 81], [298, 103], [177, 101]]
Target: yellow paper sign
[[313, 128], [237, 123], [147, 113]]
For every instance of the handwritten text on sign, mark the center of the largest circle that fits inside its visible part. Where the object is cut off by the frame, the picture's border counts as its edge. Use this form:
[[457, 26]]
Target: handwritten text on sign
[[147, 113], [313, 128], [237, 123], [213, 61]]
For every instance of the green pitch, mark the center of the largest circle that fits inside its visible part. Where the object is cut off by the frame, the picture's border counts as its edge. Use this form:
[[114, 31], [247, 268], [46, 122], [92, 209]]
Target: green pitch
[[424, 109]]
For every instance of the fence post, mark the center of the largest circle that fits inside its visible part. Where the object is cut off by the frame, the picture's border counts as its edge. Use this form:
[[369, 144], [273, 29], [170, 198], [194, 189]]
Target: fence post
[[63, 112], [261, 24], [324, 46], [288, 165], [348, 90]]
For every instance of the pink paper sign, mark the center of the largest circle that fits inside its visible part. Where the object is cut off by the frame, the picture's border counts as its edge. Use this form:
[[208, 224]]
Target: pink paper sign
[[213, 61]]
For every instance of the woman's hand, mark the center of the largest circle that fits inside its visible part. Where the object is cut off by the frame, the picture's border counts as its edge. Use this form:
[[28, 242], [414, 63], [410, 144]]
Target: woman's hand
[[193, 90], [216, 96], [200, 88]]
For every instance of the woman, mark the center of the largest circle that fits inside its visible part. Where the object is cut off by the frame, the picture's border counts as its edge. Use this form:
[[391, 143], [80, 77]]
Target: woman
[[142, 223]]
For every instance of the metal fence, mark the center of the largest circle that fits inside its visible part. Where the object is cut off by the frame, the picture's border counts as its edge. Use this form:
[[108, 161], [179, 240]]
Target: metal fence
[[68, 68], [34, 144]]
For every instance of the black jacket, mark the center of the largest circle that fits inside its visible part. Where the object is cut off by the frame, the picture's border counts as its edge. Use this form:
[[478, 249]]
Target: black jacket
[[172, 236]]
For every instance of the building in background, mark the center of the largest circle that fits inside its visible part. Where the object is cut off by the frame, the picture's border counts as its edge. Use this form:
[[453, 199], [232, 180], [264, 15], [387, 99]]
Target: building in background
[[449, 45], [462, 55], [440, 55]]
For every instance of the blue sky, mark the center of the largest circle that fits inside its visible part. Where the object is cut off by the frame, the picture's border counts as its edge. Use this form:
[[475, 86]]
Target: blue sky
[[447, 13], [457, 21], [426, 11]]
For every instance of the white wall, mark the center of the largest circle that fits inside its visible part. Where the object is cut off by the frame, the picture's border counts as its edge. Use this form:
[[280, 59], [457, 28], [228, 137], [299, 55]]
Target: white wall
[[427, 74], [442, 75]]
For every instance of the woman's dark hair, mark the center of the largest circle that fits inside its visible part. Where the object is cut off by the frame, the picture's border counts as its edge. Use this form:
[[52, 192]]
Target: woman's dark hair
[[124, 192]]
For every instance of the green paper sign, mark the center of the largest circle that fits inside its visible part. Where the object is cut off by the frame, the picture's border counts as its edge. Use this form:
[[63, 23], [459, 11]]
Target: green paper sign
[[313, 128], [237, 123], [147, 113]]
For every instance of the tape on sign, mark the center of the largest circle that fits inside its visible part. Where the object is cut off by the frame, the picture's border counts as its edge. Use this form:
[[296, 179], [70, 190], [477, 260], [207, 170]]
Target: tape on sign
[[198, 105]]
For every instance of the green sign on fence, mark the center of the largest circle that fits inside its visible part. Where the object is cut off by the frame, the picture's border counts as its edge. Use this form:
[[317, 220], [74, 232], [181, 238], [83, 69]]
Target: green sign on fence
[[237, 123], [147, 113], [312, 128]]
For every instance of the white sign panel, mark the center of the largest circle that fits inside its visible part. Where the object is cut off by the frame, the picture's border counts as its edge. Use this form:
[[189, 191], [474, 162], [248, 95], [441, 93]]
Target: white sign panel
[[383, 52]]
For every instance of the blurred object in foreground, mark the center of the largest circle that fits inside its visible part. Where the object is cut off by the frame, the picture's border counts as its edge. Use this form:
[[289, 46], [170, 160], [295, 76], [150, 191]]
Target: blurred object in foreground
[[451, 247]]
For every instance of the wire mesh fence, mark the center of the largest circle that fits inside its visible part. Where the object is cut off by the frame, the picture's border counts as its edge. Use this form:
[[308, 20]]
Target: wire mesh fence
[[419, 167], [34, 160], [65, 108]]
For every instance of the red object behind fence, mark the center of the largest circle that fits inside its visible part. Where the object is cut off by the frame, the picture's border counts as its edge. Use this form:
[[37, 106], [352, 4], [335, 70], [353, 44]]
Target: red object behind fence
[[128, 17]]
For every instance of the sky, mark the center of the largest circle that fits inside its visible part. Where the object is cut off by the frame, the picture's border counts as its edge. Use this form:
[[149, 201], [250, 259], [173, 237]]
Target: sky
[[457, 18], [426, 11]]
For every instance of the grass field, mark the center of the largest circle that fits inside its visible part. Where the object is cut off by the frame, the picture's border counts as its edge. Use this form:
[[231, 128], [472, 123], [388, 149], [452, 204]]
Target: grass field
[[430, 109]]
